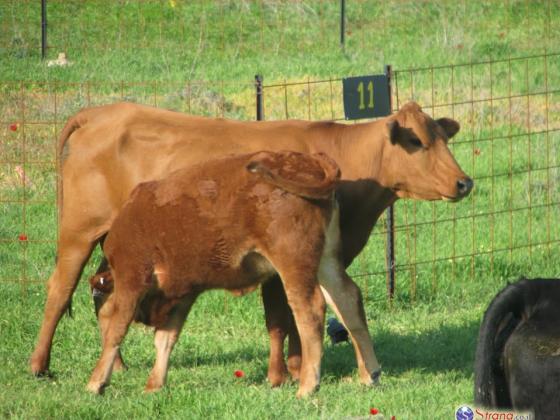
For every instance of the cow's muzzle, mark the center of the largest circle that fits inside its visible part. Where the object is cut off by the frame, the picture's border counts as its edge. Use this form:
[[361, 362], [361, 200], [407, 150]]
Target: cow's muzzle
[[464, 187]]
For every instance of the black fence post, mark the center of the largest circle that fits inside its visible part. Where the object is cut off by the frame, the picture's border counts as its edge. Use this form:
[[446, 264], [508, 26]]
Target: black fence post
[[342, 22], [259, 98], [43, 29], [390, 217]]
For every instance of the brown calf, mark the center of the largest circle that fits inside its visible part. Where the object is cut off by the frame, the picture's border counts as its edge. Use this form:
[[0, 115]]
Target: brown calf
[[230, 223], [106, 151]]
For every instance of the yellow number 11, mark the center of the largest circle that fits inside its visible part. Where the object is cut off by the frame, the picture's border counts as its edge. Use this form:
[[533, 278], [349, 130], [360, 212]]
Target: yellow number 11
[[361, 92]]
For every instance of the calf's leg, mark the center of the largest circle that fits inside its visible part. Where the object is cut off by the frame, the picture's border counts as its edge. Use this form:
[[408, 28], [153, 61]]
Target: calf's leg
[[164, 340], [308, 306], [115, 317], [118, 364]]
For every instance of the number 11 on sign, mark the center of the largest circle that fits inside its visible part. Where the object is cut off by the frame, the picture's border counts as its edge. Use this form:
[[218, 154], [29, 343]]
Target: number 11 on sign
[[361, 92]]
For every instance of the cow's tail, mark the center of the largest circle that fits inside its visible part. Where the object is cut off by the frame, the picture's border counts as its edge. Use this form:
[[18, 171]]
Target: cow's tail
[[310, 176], [74, 123], [502, 316]]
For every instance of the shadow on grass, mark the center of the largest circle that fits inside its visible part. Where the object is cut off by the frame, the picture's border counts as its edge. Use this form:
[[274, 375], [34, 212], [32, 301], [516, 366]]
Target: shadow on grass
[[447, 348]]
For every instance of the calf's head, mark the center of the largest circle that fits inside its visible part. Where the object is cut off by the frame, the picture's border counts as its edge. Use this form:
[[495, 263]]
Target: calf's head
[[419, 163]]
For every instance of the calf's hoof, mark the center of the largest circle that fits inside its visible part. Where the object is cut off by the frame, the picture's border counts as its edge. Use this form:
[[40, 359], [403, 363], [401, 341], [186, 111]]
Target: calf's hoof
[[277, 375], [39, 365]]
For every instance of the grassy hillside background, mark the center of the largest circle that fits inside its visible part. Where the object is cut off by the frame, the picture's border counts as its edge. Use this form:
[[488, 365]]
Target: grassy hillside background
[[200, 57]]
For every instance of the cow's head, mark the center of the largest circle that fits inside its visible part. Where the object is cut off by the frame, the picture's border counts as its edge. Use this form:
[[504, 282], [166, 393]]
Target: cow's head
[[418, 163]]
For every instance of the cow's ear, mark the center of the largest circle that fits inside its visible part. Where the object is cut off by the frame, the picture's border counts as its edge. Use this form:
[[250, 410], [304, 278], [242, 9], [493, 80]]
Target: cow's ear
[[393, 129], [451, 127]]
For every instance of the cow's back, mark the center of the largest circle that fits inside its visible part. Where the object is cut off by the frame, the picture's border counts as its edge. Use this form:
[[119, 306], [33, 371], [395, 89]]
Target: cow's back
[[127, 132]]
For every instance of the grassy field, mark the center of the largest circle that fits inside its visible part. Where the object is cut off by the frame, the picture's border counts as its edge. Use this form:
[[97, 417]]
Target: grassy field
[[200, 57]]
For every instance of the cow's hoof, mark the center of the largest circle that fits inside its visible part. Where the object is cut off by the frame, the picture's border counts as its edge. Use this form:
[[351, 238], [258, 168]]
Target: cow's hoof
[[371, 379], [304, 392], [150, 389], [375, 376], [153, 386], [96, 387]]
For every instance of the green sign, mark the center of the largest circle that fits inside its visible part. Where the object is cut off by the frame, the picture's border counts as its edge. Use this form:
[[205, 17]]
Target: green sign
[[366, 97]]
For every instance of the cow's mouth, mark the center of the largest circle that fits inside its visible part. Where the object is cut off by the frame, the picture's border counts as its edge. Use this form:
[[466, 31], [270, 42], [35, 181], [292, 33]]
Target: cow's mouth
[[452, 199]]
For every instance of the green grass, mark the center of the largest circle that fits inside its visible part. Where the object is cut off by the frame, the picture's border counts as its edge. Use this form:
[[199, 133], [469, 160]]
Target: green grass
[[452, 258], [427, 356], [233, 40]]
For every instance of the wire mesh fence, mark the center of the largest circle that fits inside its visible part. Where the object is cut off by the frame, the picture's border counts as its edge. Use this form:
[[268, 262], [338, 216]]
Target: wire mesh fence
[[32, 115], [509, 143]]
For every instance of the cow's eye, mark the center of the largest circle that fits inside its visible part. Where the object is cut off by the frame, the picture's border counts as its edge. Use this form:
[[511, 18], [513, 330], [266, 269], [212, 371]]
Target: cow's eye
[[415, 142]]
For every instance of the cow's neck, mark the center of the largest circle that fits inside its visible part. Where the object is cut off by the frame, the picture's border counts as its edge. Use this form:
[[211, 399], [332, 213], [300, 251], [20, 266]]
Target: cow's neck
[[358, 149], [362, 193]]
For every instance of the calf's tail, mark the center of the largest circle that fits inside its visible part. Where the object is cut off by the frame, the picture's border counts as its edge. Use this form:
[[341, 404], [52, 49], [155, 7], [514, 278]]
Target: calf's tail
[[310, 176], [501, 318]]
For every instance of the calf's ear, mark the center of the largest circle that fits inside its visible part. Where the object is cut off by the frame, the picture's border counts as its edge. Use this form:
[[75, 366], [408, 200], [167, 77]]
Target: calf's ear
[[450, 126], [393, 129]]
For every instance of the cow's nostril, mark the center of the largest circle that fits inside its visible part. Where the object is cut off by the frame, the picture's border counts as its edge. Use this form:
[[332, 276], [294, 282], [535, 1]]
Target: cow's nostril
[[464, 186]]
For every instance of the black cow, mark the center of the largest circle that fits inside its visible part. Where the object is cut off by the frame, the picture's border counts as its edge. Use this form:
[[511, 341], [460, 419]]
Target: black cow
[[518, 353]]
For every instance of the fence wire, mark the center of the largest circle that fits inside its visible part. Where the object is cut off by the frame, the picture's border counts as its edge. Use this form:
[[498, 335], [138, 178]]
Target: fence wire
[[32, 115], [509, 143]]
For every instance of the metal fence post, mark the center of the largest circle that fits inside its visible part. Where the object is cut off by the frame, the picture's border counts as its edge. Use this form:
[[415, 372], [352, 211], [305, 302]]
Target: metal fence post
[[342, 22], [259, 97], [43, 29], [390, 217]]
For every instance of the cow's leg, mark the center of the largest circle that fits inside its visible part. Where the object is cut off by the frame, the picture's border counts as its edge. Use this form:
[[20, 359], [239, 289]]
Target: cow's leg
[[280, 323], [85, 217], [345, 299], [73, 253], [164, 340], [294, 349], [115, 317], [308, 306]]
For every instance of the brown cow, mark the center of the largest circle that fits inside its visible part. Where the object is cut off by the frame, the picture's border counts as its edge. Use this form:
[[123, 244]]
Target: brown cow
[[230, 223], [106, 151]]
